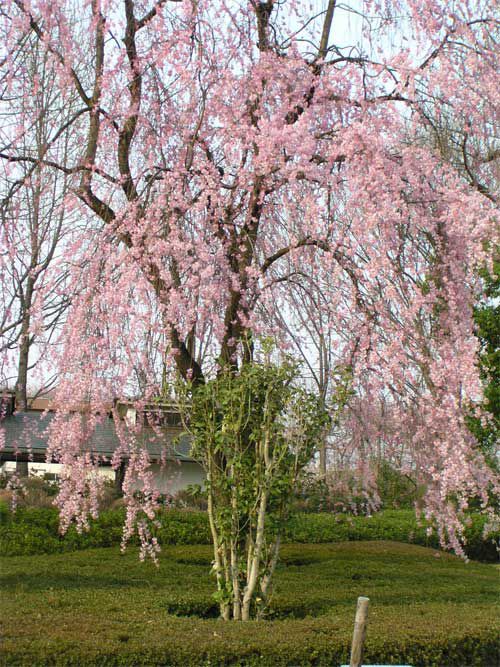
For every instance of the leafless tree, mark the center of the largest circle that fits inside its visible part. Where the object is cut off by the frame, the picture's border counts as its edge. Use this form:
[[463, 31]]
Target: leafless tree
[[35, 224]]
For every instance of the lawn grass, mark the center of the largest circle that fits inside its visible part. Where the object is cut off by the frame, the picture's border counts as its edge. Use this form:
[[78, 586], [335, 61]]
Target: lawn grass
[[103, 607]]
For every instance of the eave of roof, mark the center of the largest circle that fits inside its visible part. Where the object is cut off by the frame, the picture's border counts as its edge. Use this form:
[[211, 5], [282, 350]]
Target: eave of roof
[[27, 432]]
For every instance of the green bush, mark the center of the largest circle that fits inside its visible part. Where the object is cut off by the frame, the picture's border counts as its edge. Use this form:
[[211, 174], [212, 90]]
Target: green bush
[[36, 530], [193, 497], [101, 607], [395, 490], [318, 649], [395, 525]]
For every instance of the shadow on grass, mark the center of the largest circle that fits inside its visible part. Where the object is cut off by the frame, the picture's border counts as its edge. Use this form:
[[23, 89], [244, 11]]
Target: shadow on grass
[[59, 581]]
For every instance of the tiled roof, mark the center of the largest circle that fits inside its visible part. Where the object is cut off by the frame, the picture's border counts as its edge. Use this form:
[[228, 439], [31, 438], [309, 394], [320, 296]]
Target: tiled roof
[[26, 432]]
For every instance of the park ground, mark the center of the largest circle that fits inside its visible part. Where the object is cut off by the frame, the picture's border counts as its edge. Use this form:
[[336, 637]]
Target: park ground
[[102, 607]]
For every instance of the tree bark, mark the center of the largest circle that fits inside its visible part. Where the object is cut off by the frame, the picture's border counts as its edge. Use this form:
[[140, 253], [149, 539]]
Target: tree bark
[[120, 476], [24, 349], [22, 469], [253, 574], [218, 565]]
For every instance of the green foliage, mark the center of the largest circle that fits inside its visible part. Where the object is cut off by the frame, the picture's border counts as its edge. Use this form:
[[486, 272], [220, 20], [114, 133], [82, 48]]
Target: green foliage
[[255, 429], [395, 489], [487, 320], [101, 607], [235, 416], [192, 497], [35, 531], [396, 525]]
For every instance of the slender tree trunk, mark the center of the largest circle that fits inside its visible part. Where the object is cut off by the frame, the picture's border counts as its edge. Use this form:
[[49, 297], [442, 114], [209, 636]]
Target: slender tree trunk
[[322, 458], [322, 446], [235, 581], [24, 349], [218, 564], [266, 582], [253, 574], [267, 578], [234, 555]]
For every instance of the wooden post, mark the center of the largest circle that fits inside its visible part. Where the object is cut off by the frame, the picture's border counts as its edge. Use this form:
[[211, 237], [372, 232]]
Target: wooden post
[[358, 637]]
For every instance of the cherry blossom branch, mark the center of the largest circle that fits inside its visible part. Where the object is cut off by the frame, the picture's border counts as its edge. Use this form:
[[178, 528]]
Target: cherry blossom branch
[[127, 132], [341, 259], [41, 36], [480, 187], [60, 167], [94, 123], [140, 23]]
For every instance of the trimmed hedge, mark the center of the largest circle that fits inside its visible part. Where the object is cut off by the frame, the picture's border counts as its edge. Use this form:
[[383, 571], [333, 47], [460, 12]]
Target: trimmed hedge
[[256, 646], [35, 531], [99, 607], [395, 525]]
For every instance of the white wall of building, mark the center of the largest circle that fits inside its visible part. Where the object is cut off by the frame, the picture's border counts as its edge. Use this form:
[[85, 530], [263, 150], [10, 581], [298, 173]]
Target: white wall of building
[[40, 469], [175, 476]]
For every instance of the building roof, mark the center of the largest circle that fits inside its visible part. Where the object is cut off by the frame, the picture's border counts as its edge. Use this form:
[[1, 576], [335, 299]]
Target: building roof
[[26, 433]]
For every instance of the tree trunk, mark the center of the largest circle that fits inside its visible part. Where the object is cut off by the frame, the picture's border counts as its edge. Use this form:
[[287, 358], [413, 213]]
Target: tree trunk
[[253, 574], [234, 554], [120, 476], [218, 564], [22, 469], [266, 582], [322, 459], [24, 349]]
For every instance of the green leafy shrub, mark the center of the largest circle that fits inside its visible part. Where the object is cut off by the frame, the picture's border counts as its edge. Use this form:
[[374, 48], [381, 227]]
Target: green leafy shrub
[[193, 497], [32, 531], [477, 649], [395, 489], [394, 525], [255, 430]]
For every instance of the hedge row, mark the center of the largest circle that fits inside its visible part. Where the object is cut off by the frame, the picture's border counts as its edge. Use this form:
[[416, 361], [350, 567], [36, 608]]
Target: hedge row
[[34, 531], [101, 607], [394, 525], [258, 649]]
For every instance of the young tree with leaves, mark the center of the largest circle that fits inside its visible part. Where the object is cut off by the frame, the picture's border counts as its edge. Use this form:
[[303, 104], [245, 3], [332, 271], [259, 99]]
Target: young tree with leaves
[[255, 431]]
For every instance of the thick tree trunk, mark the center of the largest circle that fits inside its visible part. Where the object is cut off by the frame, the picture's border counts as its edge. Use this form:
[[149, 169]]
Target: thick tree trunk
[[22, 374]]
